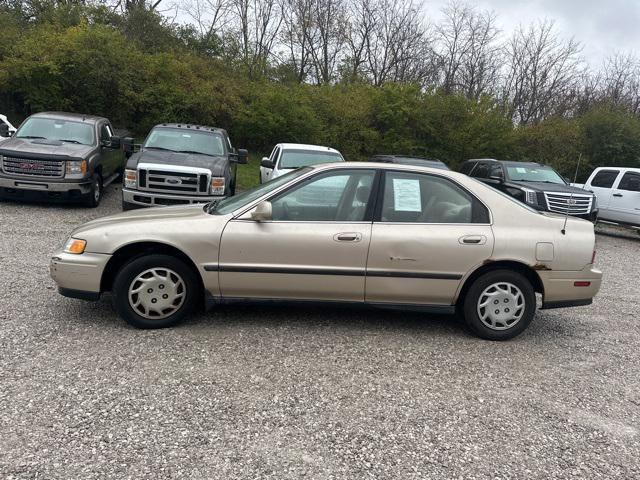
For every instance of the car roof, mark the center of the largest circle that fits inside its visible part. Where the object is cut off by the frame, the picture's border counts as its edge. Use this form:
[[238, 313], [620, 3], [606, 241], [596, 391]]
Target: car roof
[[76, 117], [507, 162], [392, 158], [305, 146], [389, 166], [190, 126]]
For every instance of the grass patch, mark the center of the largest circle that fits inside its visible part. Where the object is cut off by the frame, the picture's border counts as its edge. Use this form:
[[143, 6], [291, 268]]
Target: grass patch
[[249, 175]]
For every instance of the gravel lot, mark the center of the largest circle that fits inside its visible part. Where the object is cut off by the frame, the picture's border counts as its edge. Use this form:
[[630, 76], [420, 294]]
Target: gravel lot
[[249, 392]]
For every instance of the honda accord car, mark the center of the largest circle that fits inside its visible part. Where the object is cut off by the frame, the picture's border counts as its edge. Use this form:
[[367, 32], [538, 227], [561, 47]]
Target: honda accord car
[[384, 235]]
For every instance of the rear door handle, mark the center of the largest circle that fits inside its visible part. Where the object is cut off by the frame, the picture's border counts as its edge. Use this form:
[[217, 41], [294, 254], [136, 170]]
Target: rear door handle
[[347, 237], [473, 240], [618, 195]]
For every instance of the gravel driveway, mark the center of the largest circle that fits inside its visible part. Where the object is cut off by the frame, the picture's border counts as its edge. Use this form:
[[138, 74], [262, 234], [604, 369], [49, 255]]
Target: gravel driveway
[[287, 393]]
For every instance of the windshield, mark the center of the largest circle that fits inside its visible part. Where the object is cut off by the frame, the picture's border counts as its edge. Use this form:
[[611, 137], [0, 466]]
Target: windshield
[[54, 129], [185, 141], [303, 158], [534, 174], [231, 204]]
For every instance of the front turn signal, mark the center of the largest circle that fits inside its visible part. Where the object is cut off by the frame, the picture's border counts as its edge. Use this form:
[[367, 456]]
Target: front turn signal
[[75, 246]]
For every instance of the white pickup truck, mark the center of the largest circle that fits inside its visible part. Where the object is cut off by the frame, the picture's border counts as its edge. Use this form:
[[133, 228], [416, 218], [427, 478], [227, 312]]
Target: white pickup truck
[[9, 130], [618, 193]]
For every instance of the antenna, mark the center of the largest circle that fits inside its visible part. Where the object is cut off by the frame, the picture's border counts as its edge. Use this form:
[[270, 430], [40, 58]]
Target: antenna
[[575, 179]]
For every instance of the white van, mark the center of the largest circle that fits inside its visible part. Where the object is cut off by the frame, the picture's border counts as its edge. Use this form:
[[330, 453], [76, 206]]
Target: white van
[[618, 192]]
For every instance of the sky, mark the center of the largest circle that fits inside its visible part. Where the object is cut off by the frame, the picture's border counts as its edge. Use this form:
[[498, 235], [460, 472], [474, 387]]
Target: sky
[[602, 27]]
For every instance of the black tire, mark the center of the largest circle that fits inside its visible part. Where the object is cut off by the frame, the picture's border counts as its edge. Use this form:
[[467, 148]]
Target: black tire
[[129, 274], [94, 197], [501, 331]]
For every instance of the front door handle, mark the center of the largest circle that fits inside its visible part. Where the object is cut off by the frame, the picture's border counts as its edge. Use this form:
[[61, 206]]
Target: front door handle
[[347, 237], [618, 195], [473, 240]]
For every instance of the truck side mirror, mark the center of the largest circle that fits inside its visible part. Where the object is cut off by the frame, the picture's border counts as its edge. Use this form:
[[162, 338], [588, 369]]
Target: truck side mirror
[[242, 156], [262, 212], [4, 130], [266, 163], [127, 146], [116, 142]]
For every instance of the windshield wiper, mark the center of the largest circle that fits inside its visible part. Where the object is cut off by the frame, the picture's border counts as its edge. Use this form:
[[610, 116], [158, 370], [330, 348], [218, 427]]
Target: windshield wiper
[[161, 148], [71, 141], [191, 151], [211, 206], [32, 137]]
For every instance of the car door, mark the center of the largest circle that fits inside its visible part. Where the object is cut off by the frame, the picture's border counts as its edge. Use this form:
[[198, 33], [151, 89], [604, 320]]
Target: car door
[[428, 233], [314, 247], [111, 158], [602, 186], [625, 199], [266, 174]]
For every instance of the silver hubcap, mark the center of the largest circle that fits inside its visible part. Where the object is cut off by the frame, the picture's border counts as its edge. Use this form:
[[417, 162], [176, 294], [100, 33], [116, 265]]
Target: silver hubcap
[[157, 293], [96, 190], [501, 306]]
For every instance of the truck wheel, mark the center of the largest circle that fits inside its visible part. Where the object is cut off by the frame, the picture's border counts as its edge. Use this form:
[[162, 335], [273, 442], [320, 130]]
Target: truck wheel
[[155, 291], [95, 194], [499, 305]]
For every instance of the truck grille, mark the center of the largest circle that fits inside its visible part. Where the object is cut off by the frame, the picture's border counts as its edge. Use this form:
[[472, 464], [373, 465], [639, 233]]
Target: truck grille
[[573, 204], [179, 181], [33, 167]]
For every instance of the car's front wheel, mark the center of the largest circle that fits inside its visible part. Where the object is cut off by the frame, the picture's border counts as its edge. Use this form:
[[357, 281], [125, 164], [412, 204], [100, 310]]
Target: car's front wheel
[[499, 305], [155, 291], [94, 197]]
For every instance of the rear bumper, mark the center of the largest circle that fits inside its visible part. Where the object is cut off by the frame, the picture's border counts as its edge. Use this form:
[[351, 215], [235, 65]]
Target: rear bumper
[[560, 289], [19, 187], [152, 199], [78, 276]]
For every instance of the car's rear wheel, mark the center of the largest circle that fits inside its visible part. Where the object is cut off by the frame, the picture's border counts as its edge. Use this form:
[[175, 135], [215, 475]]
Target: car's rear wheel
[[155, 291], [499, 305]]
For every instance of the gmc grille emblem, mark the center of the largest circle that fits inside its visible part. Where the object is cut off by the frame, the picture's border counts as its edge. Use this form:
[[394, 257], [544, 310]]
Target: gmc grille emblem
[[30, 166]]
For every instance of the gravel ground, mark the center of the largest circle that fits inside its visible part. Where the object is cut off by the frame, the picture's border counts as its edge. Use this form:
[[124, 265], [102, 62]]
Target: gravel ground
[[289, 393]]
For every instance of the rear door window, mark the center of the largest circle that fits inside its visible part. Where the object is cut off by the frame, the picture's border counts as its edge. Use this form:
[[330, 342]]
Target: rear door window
[[605, 178], [630, 182]]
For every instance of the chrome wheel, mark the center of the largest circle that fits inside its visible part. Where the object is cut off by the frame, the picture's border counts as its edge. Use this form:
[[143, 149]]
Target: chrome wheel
[[96, 190], [157, 293], [501, 306]]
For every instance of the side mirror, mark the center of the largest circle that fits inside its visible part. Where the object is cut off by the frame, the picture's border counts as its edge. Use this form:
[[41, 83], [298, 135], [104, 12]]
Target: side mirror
[[114, 143], [266, 163], [262, 212], [4, 130], [127, 146], [243, 156]]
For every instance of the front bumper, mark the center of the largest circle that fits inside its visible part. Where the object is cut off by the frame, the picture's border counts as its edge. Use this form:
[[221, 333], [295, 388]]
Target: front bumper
[[16, 187], [78, 276], [152, 199], [560, 289]]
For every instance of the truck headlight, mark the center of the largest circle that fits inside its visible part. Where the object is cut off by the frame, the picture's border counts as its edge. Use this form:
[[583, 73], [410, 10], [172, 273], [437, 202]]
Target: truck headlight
[[75, 246], [530, 196], [217, 186], [130, 178], [76, 167]]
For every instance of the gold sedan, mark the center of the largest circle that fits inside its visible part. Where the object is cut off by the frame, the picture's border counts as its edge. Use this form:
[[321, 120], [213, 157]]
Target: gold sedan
[[380, 234]]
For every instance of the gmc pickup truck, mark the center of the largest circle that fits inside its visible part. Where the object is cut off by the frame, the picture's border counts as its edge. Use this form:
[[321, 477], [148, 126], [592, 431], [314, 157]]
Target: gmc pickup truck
[[56, 156], [181, 164], [537, 185]]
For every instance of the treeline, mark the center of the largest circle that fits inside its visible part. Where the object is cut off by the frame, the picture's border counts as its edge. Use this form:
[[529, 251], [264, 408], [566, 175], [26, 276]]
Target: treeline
[[365, 76]]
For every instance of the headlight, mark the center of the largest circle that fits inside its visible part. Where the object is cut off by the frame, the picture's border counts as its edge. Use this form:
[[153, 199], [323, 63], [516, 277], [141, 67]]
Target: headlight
[[130, 178], [76, 167], [217, 186], [75, 246], [530, 196]]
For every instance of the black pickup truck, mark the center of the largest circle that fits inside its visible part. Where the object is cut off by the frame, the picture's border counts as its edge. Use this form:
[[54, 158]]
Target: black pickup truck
[[181, 164], [537, 185], [62, 156]]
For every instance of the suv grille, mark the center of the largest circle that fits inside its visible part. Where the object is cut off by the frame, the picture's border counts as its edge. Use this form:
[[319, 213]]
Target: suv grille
[[178, 182], [574, 204], [31, 166]]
